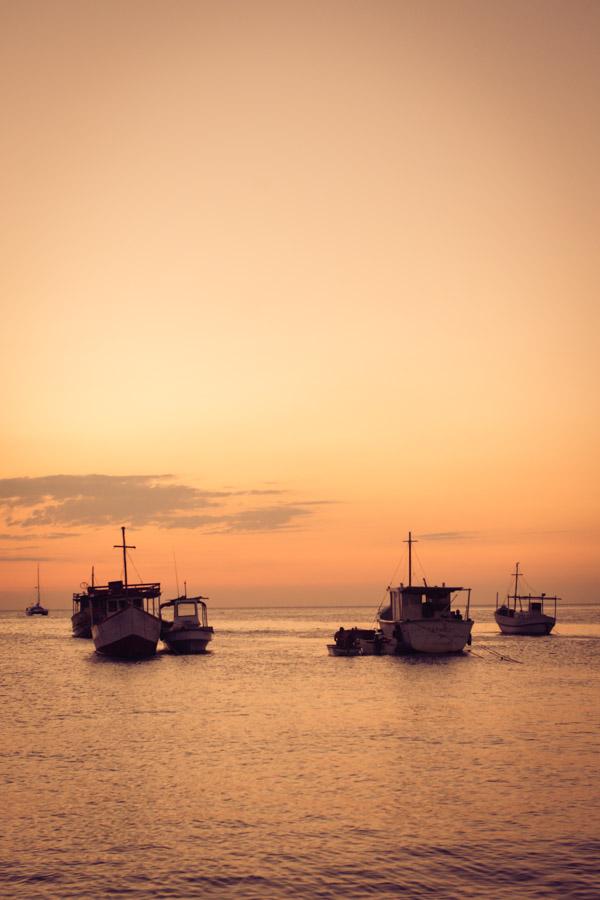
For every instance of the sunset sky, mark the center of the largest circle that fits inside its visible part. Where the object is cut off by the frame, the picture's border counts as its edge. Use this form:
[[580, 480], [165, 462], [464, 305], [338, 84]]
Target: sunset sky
[[282, 280]]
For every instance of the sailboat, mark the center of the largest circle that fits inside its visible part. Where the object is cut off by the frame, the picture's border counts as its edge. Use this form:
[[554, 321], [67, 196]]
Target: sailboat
[[421, 619], [124, 618], [529, 618], [36, 609]]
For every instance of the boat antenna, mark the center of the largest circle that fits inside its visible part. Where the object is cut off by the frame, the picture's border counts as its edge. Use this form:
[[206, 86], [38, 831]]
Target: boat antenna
[[410, 542], [124, 547], [176, 574], [92, 576]]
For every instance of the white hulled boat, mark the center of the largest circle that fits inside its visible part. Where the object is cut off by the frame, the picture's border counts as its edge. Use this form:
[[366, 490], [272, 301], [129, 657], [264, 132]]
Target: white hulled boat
[[188, 631], [36, 609], [124, 618], [529, 618], [421, 619]]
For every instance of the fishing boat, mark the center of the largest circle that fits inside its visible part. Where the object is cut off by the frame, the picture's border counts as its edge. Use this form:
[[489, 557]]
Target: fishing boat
[[356, 642], [529, 618], [81, 620], [184, 624], [421, 619], [124, 619], [36, 609]]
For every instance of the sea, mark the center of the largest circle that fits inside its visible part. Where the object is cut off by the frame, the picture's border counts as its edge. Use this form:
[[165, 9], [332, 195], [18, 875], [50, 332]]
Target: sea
[[268, 769]]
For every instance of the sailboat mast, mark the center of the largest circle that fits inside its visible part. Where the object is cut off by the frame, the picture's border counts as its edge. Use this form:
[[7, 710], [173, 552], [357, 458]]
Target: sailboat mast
[[38, 584]]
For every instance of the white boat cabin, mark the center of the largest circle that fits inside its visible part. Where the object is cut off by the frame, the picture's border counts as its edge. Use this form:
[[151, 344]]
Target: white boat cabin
[[185, 612], [410, 603]]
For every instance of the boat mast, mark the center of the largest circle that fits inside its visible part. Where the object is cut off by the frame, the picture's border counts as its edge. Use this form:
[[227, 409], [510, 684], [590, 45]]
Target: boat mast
[[516, 576], [38, 584], [410, 542], [125, 547]]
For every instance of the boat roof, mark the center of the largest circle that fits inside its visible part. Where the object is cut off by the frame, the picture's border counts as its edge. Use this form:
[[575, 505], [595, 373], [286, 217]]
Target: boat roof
[[434, 591], [116, 589], [176, 600]]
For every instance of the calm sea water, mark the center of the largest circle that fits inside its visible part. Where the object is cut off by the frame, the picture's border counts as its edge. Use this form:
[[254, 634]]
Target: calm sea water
[[268, 769]]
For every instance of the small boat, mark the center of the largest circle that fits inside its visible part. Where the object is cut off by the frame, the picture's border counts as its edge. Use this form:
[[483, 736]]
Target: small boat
[[356, 642], [421, 619], [188, 631], [529, 618], [334, 650], [81, 620], [124, 617], [36, 609]]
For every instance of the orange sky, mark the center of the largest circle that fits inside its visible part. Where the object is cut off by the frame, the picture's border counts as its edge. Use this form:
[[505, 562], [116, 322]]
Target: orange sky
[[331, 266]]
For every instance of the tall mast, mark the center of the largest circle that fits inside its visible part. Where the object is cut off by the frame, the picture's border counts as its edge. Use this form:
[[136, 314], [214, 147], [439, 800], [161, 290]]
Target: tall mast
[[38, 584], [516, 575], [410, 542], [125, 547]]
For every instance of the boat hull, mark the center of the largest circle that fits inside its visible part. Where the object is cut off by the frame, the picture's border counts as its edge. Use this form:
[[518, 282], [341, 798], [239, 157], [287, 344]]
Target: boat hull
[[426, 636], [187, 640], [36, 611], [334, 650], [81, 624], [525, 624], [130, 633]]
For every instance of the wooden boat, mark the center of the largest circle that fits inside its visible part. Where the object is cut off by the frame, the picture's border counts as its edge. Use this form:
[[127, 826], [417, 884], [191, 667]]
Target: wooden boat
[[334, 650], [421, 619], [529, 618], [81, 619], [124, 618], [188, 631], [36, 609], [356, 642]]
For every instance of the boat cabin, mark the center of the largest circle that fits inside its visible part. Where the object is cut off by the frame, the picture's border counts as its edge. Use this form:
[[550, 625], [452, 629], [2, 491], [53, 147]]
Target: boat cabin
[[422, 602], [114, 596], [185, 612]]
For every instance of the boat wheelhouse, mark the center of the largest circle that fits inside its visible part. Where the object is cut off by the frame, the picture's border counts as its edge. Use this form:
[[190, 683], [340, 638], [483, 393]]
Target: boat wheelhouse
[[530, 618], [184, 624], [422, 620]]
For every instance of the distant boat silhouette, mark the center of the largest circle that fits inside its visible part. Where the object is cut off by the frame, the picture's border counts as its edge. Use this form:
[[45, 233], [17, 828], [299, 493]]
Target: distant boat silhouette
[[532, 619], [36, 609]]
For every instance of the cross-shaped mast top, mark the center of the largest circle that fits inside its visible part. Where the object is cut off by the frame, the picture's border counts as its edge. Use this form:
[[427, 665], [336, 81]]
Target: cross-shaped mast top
[[124, 547], [410, 542]]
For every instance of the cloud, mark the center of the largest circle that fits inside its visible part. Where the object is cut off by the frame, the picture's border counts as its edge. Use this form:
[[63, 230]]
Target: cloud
[[269, 518], [52, 536], [76, 501], [448, 536], [33, 559]]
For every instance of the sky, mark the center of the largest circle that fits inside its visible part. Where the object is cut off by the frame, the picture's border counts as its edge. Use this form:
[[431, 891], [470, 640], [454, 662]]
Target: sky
[[283, 280]]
